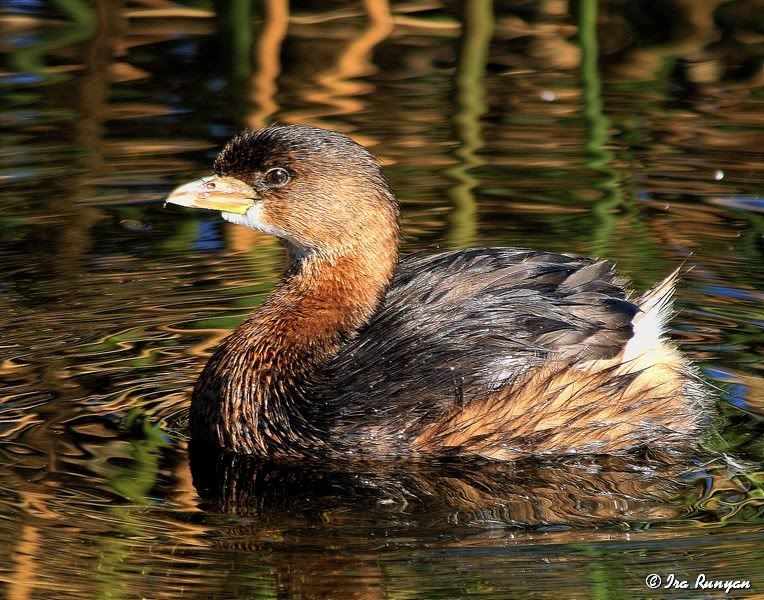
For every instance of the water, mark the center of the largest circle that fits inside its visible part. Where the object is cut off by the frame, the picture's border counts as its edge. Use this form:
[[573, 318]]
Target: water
[[639, 141]]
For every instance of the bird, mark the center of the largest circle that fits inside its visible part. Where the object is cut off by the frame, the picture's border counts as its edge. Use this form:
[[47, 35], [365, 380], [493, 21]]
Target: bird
[[487, 353]]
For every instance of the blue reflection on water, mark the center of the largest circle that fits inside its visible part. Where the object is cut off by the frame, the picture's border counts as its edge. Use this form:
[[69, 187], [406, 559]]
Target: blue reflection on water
[[21, 79], [208, 236], [728, 292]]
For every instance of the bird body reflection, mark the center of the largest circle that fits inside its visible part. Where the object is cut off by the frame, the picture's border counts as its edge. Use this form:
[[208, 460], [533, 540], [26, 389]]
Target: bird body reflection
[[576, 491]]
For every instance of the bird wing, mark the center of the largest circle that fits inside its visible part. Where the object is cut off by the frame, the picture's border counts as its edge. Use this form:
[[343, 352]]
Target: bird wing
[[456, 325]]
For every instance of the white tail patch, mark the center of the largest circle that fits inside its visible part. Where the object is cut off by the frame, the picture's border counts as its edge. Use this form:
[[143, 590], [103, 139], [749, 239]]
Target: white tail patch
[[650, 324]]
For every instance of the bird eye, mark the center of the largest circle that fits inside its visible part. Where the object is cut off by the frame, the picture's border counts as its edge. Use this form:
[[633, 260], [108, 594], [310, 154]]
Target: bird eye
[[277, 177]]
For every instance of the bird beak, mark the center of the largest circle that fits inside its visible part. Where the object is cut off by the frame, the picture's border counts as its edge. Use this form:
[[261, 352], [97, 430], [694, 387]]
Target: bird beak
[[225, 194]]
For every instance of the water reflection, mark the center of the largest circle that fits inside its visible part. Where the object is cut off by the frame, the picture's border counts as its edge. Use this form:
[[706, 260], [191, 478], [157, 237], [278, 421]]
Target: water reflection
[[242, 527], [469, 493], [629, 130]]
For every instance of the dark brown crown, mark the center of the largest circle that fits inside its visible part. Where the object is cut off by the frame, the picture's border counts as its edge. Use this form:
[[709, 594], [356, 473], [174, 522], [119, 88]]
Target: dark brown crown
[[295, 147]]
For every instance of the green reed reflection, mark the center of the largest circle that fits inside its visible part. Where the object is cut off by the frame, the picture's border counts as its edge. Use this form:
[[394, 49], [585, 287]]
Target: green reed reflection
[[478, 28], [113, 575], [81, 25], [597, 138], [235, 22]]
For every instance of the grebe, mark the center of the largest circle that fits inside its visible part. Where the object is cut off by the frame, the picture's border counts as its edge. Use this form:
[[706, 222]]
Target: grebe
[[497, 353]]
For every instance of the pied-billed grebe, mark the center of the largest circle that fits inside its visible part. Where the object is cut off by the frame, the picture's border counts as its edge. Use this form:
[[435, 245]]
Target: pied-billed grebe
[[491, 352]]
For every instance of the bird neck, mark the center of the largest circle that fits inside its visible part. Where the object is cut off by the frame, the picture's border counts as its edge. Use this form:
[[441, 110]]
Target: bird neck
[[256, 393], [321, 302]]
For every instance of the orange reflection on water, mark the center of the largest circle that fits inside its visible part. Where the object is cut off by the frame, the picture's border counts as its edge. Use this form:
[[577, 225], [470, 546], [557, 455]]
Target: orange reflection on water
[[338, 94]]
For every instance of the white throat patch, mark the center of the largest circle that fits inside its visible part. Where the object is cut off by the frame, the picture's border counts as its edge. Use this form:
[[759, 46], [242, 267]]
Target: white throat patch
[[253, 219]]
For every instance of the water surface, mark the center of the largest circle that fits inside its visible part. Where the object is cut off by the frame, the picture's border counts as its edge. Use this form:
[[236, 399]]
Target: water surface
[[630, 131]]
